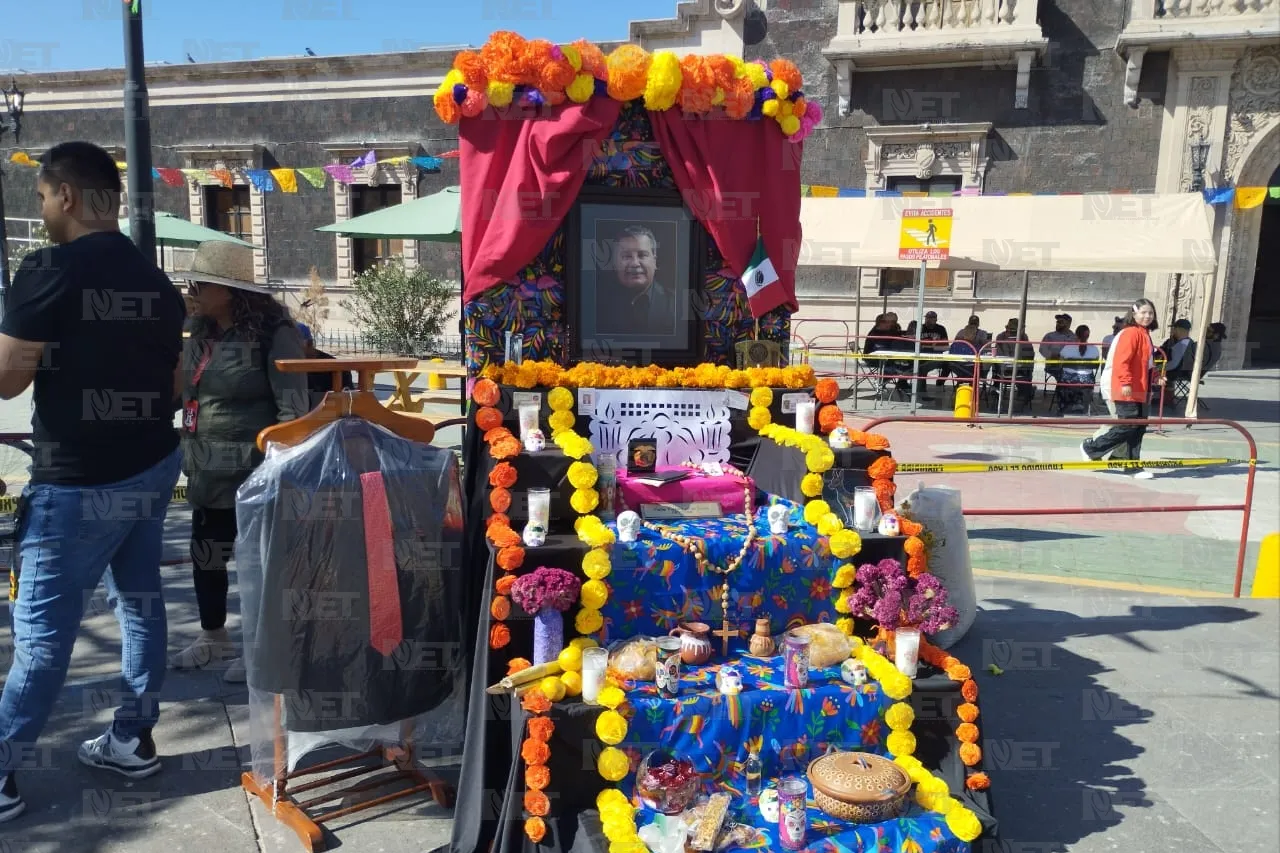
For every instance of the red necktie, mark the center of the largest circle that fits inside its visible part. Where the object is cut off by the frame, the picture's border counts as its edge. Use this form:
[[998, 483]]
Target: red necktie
[[385, 623]]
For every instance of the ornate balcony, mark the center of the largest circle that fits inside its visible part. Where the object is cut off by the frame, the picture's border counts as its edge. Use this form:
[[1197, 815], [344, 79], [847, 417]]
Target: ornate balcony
[[891, 34]]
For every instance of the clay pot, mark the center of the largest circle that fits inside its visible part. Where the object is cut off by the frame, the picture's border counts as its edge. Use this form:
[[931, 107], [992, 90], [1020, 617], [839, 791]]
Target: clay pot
[[762, 645], [695, 642]]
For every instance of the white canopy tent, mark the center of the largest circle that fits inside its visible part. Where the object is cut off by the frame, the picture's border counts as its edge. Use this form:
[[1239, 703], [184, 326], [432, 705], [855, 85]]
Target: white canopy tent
[[1082, 233], [1101, 232]]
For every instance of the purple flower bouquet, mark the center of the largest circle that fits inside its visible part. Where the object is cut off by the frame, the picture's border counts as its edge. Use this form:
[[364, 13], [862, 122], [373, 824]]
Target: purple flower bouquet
[[545, 594], [885, 593]]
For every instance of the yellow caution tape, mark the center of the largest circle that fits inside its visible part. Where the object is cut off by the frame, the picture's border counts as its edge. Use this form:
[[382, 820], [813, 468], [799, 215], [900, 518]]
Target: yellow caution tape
[[1118, 464]]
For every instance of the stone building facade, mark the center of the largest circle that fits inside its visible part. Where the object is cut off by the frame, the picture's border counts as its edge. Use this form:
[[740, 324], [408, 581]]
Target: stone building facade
[[1002, 95]]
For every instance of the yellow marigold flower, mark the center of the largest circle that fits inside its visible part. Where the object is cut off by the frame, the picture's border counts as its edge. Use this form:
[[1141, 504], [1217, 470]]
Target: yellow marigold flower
[[583, 475], [588, 621], [762, 396], [820, 459], [846, 626], [842, 603], [895, 688], [594, 594], [830, 524], [811, 485], [901, 743], [964, 824], [611, 697], [584, 501], [611, 728], [596, 564], [814, 510], [613, 764], [844, 577], [845, 543], [758, 417], [609, 796], [560, 399], [899, 717]]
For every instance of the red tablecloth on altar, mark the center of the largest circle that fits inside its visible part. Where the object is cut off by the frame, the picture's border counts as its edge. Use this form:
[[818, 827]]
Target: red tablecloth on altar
[[727, 490]]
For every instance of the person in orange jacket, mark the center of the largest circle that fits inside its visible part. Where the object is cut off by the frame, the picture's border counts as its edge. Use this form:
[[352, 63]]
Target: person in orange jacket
[[1131, 367]]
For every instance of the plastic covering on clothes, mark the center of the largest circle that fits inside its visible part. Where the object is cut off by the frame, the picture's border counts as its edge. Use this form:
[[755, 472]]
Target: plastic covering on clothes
[[349, 567]]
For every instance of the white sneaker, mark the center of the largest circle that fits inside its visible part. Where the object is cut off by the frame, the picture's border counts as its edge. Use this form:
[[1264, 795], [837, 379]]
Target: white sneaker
[[1143, 474], [235, 673], [211, 647], [135, 758], [11, 802]]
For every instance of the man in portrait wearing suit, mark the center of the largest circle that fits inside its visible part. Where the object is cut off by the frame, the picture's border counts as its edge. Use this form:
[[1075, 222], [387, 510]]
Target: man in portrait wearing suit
[[634, 303]]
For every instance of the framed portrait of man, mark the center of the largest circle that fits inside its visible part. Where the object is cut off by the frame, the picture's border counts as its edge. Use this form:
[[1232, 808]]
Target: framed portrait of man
[[633, 278]]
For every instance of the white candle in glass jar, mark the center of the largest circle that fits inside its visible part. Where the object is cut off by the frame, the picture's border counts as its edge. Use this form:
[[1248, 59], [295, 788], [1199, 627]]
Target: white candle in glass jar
[[804, 416], [906, 651], [594, 663], [540, 507], [528, 419]]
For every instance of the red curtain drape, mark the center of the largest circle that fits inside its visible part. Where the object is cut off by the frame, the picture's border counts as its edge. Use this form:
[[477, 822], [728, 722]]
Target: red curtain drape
[[520, 176], [731, 174]]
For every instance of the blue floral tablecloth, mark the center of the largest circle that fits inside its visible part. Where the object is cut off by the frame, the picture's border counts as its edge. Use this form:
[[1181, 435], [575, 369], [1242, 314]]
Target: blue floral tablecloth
[[655, 584], [787, 729]]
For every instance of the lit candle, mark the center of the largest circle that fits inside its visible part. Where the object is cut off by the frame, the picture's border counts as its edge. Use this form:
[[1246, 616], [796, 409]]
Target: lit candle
[[804, 417], [594, 663], [906, 650]]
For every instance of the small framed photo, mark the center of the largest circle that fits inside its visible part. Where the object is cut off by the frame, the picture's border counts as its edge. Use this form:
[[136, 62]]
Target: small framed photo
[[634, 278], [642, 455]]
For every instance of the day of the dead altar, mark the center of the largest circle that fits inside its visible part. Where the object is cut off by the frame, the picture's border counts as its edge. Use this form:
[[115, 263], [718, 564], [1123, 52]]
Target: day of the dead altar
[[702, 619]]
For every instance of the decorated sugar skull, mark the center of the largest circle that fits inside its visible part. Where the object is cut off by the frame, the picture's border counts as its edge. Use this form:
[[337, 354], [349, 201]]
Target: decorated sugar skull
[[534, 441], [535, 535], [853, 672], [840, 438], [628, 526], [778, 515], [889, 525], [769, 805], [729, 680]]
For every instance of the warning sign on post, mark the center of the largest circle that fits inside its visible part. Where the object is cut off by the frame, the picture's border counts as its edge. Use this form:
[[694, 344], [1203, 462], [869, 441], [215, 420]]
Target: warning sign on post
[[925, 234]]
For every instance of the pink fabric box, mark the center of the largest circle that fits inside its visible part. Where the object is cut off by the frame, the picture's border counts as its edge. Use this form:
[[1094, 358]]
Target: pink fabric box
[[726, 490]]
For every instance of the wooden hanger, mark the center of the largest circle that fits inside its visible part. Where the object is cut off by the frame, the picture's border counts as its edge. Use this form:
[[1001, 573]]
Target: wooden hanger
[[341, 404]]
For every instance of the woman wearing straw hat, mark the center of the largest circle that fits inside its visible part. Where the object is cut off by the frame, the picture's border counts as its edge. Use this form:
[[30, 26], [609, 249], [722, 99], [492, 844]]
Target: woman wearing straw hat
[[232, 391]]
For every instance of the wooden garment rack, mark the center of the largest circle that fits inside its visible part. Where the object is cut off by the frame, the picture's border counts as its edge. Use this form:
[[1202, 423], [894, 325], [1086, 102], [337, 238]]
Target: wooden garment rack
[[382, 766]]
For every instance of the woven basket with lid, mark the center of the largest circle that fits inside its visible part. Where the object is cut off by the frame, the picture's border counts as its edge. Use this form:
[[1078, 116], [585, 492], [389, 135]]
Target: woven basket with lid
[[859, 787]]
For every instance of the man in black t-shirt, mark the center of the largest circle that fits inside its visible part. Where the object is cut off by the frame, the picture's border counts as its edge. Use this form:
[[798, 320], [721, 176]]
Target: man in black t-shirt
[[97, 328]]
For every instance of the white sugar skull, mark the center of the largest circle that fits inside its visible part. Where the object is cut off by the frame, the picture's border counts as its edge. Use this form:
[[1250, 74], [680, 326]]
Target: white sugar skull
[[769, 805], [534, 441], [853, 672], [628, 526], [840, 438], [729, 680], [535, 535], [778, 519], [889, 524]]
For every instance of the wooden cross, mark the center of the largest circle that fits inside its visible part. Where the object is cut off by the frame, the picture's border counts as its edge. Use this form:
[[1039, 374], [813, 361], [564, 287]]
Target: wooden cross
[[725, 631]]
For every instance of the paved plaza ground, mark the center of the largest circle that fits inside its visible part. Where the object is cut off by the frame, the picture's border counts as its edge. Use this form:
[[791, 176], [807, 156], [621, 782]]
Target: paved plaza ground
[[1138, 709]]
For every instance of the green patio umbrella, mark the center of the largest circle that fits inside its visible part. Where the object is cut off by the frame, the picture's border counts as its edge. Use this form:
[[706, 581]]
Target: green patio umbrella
[[435, 219], [175, 231]]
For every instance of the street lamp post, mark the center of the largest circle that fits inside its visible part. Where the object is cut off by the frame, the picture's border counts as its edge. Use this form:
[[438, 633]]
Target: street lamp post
[[10, 121], [137, 135]]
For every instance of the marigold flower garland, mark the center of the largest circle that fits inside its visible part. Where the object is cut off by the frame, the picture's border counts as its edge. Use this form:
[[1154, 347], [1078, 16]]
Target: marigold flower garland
[[502, 446], [967, 731], [509, 68], [549, 374], [932, 792]]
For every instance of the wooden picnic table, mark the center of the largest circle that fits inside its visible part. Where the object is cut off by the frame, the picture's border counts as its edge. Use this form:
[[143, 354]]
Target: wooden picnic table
[[403, 399]]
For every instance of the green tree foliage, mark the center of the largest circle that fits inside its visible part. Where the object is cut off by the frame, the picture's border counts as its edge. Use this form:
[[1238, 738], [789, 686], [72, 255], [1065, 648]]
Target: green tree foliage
[[401, 311]]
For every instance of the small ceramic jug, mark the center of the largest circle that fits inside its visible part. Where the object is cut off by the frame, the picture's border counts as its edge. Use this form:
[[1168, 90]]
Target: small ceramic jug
[[762, 645], [695, 642]]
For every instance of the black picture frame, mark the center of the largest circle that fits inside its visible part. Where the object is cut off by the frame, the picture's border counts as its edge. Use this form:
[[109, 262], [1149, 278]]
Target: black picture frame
[[597, 324]]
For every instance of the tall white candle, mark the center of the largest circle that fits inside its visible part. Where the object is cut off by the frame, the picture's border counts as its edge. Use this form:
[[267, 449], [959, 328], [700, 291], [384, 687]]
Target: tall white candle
[[906, 651], [594, 663], [804, 417], [528, 420]]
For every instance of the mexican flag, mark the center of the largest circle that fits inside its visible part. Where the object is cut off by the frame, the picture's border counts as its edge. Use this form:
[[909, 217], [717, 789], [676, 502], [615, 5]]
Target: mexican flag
[[764, 290]]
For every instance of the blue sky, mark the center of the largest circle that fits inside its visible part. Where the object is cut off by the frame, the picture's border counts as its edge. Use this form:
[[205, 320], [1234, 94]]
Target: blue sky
[[59, 35]]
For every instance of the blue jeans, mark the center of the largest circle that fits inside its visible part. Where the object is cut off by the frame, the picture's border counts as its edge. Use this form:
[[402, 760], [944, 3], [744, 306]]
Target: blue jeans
[[71, 537]]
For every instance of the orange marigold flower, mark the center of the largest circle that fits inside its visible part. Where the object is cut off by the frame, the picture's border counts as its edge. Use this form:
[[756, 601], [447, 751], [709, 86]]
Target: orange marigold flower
[[537, 777], [499, 636], [471, 66], [487, 418], [884, 490], [505, 448], [968, 712], [916, 566], [503, 56], [909, 527], [829, 417], [536, 803], [786, 71], [503, 475], [510, 558], [969, 690], [959, 672], [497, 518], [500, 499], [914, 546], [446, 107], [534, 751], [970, 754], [739, 98], [698, 84], [593, 61], [486, 392], [967, 732], [500, 608], [535, 702], [876, 442], [978, 782], [536, 829], [517, 665], [883, 468], [541, 728], [503, 537], [496, 434], [826, 390]]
